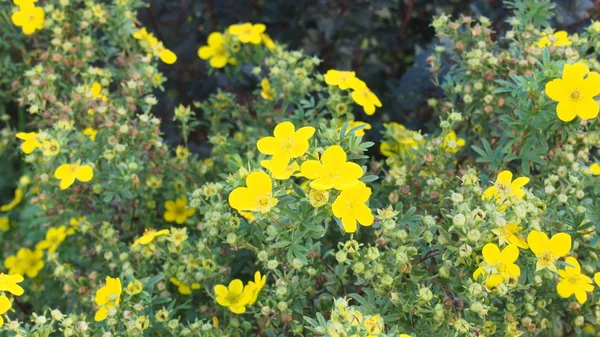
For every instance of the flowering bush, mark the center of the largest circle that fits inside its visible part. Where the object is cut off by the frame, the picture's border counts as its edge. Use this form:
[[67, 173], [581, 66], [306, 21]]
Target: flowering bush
[[484, 225]]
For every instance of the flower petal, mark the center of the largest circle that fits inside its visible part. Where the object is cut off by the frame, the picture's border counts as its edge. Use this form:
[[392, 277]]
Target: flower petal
[[560, 245], [587, 108], [333, 157], [538, 242], [504, 178], [236, 287], [509, 254], [259, 182], [574, 72], [284, 130], [84, 173], [557, 90], [491, 253], [566, 110], [240, 198]]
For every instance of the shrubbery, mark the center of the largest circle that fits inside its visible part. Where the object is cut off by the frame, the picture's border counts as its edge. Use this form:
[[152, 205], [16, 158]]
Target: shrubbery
[[484, 226]]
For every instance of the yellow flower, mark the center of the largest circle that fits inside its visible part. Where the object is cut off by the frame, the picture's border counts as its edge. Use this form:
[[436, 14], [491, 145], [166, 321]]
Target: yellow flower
[[91, 132], [452, 143], [374, 324], [256, 197], [318, 198], [182, 152], [280, 169], [167, 56], [54, 237], [403, 140], [96, 91], [31, 141], [149, 236], [177, 211], [26, 262], [4, 223], [51, 148], [498, 266], [9, 283], [256, 286], [15, 202], [75, 224], [267, 41], [64, 124], [287, 143], [215, 52], [178, 236], [595, 168], [558, 39], [154, 182], [108, 297], [548, 251], [235, 297], [350, 207], [572, 281], [267, 92], [575, 92], [510, 234], [342, 79], [364, 97], [143, 35], [247, 32], [355, 124], [67, 173], [184, 289], [29, 17], [333, 171], [505, 189], [134, 287]]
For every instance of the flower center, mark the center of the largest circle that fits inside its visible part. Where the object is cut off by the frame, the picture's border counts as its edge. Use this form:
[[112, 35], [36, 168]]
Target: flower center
[[573, 279], [546, 258], [287, 143], [575, 95], [262, 201]]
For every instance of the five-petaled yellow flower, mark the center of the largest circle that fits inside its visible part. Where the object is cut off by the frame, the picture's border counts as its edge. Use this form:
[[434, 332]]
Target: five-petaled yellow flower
[[572, 281], [499, 266], [547, 250], [5, 305], [50, 147], [256, 286], [510, 233], [558, 39], [364, 97], [575, 92], [29, 17], [31, 141], [149, 236], [26, 262], [177, 211], [96, 91], [287, 143], [67, 173], [267, 92], [350, 207], [248, 33], [505, 189], [108, 298], [256, 197], [215, 51], [235, 297], [54, 237], [90, 132], [9, 283], [452, 143], [333, 171], [342, 79]]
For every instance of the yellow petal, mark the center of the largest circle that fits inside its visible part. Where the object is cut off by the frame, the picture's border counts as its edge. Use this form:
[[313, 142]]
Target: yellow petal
[[557, 90], [509, 254], [363, 215], [349, 223], [215, 39], [284, 130], [520, 182], [566, 110], [219, 61], [305, 132], [560, 245], [574, 263], [574, 72], [491, 253], [564, 289], [268, 145], [587, 108], [236, 287], [538, 242], [101, 314], [312, 169], [597, 278], [66, 182], [168, 57], [591, 85], [489, 193], [581, 296], [5, 305], [84, 173], [241, 199], [504, 178], [333, 157], [205, 52], [238, 309], [259, 183]]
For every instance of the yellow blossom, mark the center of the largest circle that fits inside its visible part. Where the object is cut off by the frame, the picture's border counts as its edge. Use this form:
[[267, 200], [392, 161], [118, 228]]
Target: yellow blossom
[[67, 173], [287, 143], [149, 236], [235, 297], [547, 250], [15, 202], [167, 56], [575, 92], [4, 223], [318, 198], [452, 143], [148, 38], [342, 79], [350, 207], [177, 211], [54, 237], [364, 97], [26, 262], [374, 324], [182, 152], [505, 189], [9, 283], [267, 41], [5, 305], [256, 197], [572, 281], [267, 92], [96, 91], [256, 286], [178, 236], [215, 51], [498, 267], [154, 182], [595, 169], [333, 171], [510, 234], [90, 132], [184, 289], [29, 17], [108, 297], [134, 287], [558, 39], [31, 141], [403, 141], [248, 32], [50, 147]]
